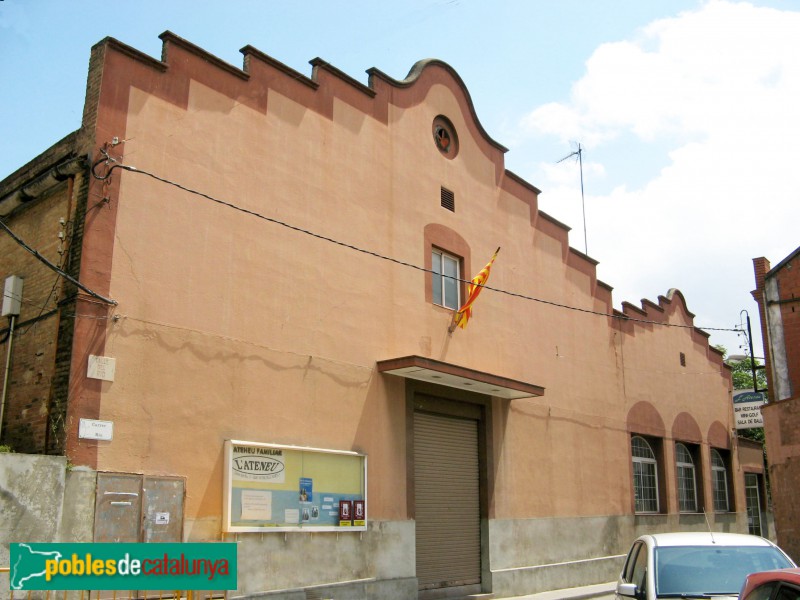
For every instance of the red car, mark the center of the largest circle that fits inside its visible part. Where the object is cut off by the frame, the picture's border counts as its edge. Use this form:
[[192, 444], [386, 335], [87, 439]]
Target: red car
[[783, 584]]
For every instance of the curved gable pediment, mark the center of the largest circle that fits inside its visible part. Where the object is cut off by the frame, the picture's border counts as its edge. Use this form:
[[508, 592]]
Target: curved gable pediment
[[674, 303], [415, 87]]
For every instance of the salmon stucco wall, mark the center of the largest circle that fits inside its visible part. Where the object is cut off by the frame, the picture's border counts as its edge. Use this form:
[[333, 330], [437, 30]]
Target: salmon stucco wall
[[269, 332], [258, 308]]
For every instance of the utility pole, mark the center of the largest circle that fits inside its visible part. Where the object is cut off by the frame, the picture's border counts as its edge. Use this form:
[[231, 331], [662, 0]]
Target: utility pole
[[753, 367]]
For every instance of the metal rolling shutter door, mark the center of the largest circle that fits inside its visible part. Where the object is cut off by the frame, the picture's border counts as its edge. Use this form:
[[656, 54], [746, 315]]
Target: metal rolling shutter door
[[447, 501]]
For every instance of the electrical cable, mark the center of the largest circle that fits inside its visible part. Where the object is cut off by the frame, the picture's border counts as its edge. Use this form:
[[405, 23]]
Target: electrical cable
[[247, 211], [7, 333], [29, 322], [50, 265], [66, 240]]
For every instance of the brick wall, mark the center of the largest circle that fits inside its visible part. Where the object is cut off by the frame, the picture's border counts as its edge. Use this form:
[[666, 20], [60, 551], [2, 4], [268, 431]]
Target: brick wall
[[789, 289], [782, 418], [56, 442], [761, 267], [38, 353], [787, 276], [36, 404], [782, 429]]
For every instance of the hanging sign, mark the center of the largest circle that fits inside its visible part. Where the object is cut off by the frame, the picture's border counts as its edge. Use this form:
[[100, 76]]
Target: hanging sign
[[747, 408]]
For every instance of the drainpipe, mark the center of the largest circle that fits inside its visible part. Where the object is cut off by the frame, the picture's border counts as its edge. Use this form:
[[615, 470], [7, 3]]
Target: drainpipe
[[7, 371], [12, 301]]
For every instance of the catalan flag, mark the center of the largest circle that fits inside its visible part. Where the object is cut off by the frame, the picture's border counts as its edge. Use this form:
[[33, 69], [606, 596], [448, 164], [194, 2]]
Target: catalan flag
[[463, 314]]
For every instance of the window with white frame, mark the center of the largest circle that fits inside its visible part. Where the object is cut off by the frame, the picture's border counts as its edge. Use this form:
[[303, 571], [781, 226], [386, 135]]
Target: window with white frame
[[719, 480], [645, 476], [687, 488], [446, 274]]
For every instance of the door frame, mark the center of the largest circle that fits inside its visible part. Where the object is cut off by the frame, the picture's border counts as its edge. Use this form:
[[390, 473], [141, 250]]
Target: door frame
[[446, 401], [758, 513]]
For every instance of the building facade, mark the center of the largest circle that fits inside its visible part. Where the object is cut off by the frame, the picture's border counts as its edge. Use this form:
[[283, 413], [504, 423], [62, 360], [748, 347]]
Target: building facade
[[263, 338], [778, 296]]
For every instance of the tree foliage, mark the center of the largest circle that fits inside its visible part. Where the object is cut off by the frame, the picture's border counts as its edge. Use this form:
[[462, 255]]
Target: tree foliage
[[742, 374], [742, 371]]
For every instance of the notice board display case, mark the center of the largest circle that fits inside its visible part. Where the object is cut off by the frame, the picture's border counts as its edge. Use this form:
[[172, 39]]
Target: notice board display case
[[271, 487]]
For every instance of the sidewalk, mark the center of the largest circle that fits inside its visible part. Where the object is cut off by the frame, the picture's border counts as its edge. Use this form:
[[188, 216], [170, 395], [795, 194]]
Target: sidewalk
[[600, 590]]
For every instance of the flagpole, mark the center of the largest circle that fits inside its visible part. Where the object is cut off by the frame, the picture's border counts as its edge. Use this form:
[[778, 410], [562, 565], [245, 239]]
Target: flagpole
[[452, 327]]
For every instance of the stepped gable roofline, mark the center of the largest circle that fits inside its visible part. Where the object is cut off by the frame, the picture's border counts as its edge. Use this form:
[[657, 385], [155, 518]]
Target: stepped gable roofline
[[170, 38], [658, 312], [585, 257], [720, 353], [627, 308], [133, 53], [523, 182], [555, 221], [650, 305], [320, 65], [317, 63], [182, 61], [416, 72], [250, 51]]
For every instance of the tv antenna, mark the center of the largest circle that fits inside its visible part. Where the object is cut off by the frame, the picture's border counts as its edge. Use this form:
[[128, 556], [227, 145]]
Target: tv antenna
[[579, 154]]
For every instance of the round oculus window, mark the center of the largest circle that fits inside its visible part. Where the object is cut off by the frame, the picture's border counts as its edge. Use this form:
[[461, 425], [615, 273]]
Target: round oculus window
[[444, 136]]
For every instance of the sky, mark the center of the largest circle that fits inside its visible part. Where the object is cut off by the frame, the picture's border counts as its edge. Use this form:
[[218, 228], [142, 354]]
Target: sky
[[685, 112]]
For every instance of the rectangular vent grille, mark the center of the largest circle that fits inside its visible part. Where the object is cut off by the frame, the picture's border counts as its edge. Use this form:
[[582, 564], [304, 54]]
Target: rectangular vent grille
[[448, 200]]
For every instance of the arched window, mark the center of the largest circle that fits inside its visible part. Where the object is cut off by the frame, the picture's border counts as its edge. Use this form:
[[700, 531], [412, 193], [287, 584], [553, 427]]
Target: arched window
[[719, 479], [645, 476], [687, 489]]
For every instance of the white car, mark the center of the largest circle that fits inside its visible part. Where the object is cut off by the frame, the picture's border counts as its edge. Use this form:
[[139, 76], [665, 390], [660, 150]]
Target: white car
[[695, 565]]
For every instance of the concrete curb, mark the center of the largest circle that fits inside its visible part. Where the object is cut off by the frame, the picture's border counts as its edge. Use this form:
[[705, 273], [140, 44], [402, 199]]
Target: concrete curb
[[578, 593]]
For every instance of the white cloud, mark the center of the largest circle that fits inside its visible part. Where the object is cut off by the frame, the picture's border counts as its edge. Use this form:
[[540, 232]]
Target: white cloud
[[689, 74], [720, 86]]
